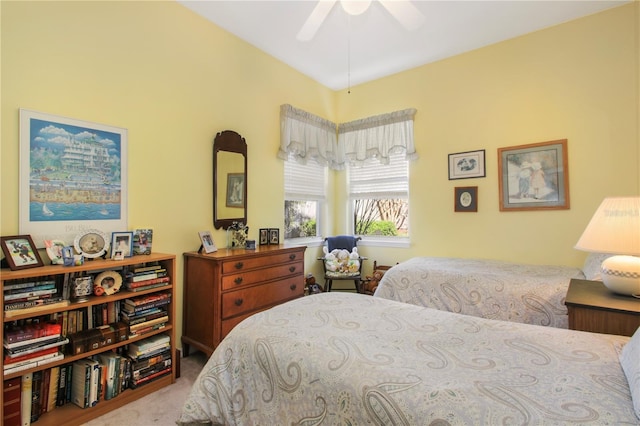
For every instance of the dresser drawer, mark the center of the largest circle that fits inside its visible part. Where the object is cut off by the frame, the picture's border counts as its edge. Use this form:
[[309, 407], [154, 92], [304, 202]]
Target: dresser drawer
[[232, 266], [253, 298], [237, 280]]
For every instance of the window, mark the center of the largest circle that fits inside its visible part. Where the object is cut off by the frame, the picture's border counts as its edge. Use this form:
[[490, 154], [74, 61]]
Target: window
[[379, 198], [304, 187]]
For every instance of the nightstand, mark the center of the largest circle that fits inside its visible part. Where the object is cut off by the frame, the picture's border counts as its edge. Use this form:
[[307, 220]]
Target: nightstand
[[593, 307]]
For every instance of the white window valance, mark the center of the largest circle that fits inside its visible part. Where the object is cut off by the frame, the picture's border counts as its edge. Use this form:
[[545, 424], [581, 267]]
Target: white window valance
[[304, 136], [378, 137]]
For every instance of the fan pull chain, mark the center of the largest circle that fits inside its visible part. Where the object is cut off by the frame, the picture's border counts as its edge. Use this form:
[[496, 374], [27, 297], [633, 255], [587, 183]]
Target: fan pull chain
[[348, 54]]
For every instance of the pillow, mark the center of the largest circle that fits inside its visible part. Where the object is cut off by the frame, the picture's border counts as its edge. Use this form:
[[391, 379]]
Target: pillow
[[591, 267], [630, 361]]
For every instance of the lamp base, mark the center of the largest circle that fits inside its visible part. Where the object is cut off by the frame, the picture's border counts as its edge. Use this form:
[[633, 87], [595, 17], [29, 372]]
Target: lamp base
[[621, 274]]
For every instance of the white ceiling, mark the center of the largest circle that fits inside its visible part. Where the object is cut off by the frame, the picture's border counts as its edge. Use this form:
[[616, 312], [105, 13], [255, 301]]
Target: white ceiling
[[347, 51]]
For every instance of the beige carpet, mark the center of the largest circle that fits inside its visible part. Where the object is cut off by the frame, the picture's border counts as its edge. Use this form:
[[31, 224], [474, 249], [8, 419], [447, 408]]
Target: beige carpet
[[160, 408]]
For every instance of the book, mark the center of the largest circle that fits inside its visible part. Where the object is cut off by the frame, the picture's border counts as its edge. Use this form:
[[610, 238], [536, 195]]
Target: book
[[145, 276], [11, 413], [29, 294], [27, 284], [148, 287], [110, 360], [53, 387], [36, 390], [150, 378], [32, 364], [95, 381], [44, 390], [152, 360], [61, 398], [34, 306], [155, 304], [29, 357], [142, 283], [142, 300], [148, 323], [25, 399], [36, 348], [81, 383], [31, 342], [146, 268], [30, 331], [149, 344]]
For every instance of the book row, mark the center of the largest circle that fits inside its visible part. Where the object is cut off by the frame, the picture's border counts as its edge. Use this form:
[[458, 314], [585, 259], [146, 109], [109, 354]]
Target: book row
[[86, 382]]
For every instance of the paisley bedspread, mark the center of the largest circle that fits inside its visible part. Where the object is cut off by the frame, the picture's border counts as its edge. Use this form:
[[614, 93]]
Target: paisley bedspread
[[531, 294], [351, 359]]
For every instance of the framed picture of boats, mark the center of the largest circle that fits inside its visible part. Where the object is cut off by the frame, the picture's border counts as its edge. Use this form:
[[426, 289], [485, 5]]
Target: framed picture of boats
[[73, 177]]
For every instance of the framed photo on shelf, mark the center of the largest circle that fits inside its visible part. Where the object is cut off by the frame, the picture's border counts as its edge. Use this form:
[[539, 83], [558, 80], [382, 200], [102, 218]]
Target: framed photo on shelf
[[235, 190], [20, 252], [466, 199], [208, 246], [264, 236], [87, 191], [465, 165], [534, 176], [122, 242], [274, 236]]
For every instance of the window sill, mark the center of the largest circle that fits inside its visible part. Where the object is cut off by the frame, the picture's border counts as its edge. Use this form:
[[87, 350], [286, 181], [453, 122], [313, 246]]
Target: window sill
[[309, 242], [385, 242]]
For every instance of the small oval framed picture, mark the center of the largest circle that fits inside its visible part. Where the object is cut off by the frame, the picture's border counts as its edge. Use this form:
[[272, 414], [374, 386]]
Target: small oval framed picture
[[466, 199]]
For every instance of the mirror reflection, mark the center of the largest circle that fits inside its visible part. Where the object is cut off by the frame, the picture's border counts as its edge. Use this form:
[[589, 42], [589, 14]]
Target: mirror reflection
[[229, 179]]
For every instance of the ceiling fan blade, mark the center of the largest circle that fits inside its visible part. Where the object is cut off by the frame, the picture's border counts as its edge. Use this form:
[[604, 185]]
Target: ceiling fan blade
[[317, 17], [405, 12]]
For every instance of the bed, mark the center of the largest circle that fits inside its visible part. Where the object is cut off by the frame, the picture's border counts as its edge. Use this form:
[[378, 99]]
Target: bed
[[531, 294], [345, 358]]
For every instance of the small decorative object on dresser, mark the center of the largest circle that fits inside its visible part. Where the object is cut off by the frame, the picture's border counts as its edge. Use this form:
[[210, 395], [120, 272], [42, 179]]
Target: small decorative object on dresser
[[264, 236], [208, 246], [274, 236], [20, 252]]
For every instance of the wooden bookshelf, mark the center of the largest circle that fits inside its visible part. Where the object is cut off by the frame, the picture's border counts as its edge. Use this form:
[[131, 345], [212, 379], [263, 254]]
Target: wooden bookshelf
[[70, 414]]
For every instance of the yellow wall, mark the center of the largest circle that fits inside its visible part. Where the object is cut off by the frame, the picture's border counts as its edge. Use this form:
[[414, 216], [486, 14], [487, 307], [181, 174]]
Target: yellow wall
[[576, 81], [174, 80]]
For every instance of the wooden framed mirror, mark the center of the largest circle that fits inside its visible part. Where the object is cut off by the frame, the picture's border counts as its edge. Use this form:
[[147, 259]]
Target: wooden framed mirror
[[229, 179]]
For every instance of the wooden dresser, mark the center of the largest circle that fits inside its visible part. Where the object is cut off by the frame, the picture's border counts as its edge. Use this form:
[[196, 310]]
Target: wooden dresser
[[221, 289]]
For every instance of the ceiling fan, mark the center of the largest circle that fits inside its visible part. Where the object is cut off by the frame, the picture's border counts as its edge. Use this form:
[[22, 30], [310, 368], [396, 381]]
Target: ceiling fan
[[403, 10]]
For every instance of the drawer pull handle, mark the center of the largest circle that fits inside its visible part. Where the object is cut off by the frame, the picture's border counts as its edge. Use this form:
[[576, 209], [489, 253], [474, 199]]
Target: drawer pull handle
[[239, 265], [238, 280], [292, 268], [293, 287], [238, 302], [292, 256]]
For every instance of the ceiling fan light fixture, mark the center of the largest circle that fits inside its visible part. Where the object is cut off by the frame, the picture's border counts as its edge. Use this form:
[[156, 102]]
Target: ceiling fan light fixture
[[355, 7]]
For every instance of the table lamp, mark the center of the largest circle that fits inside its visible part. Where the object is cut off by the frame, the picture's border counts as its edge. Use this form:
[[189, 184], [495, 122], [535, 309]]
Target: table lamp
[[615, 229]]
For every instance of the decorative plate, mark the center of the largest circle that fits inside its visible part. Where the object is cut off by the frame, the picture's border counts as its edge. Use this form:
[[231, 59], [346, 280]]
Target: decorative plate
[[54, 251], [107, 282], [91, 243]]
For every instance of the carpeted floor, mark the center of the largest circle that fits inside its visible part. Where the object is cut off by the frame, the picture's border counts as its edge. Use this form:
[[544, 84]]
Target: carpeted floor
[[160, 408]]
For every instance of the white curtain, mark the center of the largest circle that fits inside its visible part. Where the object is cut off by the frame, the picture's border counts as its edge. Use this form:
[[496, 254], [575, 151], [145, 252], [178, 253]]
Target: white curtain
[[305, 136], [377, 137]]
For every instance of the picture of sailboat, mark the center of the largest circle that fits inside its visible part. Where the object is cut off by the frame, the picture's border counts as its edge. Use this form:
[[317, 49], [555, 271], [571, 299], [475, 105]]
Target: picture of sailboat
[[46, 211]]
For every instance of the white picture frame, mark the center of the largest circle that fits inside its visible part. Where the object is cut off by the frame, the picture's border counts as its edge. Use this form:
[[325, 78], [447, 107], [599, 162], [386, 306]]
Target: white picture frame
[[208, 245], [58, 200]]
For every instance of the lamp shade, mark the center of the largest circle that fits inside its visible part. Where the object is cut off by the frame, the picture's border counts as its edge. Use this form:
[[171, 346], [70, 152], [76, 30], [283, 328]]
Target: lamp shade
[[614, 228]]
